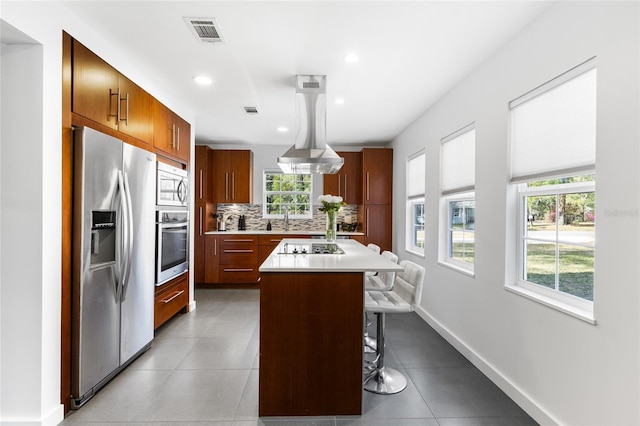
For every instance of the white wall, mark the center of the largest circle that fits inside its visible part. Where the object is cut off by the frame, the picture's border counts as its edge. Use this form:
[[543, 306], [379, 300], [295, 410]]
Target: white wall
[[30, 212], [560, 369]]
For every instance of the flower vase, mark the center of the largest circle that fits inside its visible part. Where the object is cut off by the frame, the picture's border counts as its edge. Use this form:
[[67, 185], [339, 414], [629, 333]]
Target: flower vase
[[332, 226]]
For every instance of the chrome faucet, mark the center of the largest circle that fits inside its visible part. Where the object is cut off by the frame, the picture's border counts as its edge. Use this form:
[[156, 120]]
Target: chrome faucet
[[286, 218]]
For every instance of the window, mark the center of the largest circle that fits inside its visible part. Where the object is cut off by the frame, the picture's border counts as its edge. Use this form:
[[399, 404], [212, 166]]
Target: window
[[553, 136], [558, 237], [287, 191], [458, 205], [415, 203]]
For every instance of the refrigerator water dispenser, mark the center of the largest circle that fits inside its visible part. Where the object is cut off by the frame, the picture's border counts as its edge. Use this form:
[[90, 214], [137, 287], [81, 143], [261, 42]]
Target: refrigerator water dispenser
[[103, 238]]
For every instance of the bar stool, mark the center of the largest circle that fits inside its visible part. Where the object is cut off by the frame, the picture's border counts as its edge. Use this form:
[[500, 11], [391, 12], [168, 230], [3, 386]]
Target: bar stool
[[382, 281], [406, 293]]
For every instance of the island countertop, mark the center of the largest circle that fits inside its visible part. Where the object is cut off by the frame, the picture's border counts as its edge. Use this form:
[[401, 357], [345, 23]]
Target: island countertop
[[356, 258]]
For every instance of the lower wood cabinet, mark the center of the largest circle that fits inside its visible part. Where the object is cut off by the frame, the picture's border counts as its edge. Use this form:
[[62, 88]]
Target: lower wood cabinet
[[171, 298], [239, 259], [378, 225]]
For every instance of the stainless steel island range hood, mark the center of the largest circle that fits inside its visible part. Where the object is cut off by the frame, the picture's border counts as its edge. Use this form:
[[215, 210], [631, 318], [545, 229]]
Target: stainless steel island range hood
[[311, 154]]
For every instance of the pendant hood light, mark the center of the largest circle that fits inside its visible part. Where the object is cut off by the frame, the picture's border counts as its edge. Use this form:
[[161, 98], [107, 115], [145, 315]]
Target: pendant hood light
[[311, 154]]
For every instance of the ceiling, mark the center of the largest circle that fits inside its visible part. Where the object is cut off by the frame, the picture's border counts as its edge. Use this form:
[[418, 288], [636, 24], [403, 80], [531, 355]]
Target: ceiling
[[409, 55]]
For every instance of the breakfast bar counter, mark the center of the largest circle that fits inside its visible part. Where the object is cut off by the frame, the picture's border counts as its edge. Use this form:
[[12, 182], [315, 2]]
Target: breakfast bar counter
[[311, 327]]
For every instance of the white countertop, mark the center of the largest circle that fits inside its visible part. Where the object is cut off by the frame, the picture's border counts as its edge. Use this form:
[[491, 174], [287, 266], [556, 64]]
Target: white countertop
[[277, 232], [356, 258]]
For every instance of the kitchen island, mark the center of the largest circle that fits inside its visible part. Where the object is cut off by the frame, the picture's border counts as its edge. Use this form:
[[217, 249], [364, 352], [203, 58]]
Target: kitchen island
[[311, 327]]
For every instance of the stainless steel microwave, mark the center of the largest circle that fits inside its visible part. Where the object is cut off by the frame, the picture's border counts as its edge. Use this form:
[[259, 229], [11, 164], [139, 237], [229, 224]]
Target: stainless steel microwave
[[172, 186]]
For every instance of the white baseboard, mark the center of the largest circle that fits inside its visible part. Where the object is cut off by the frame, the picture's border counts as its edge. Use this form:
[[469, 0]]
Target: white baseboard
[[514, 392], [55, 417]]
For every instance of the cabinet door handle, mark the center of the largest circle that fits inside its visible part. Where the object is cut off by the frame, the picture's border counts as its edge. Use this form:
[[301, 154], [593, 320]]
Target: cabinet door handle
[[367, 222], [238, 251], [178, 148], [345, 187], [275, 241], [173, 136], [200, 214], [111, 95], [226, 186], [126, 108], [246, 240], [233, 185], [339, 185], [367, 186], [238, 270], [173, 296], [201, 184], [215, 246]]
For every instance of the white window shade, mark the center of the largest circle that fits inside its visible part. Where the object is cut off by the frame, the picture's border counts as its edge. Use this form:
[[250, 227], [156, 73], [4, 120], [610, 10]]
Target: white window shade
[[553, 129], [458, 161], [415, 175]]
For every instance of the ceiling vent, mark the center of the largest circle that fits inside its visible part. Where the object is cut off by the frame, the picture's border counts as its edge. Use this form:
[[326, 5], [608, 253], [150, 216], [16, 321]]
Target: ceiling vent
[[251, 110], [206, 30]]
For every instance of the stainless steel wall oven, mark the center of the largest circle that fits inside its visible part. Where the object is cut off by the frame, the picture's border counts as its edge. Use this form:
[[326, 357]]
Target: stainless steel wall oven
[[172, 244]]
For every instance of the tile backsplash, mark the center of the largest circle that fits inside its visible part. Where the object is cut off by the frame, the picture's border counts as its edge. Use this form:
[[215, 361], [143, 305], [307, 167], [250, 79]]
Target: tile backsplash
[[254, 220]]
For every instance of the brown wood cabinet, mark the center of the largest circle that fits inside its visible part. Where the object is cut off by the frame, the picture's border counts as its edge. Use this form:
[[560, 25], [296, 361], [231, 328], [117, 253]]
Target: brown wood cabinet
[[377, 196], [103, 95], [171, 298], [232, 176], [347, 183], [204, 209], [212, 260], [239, 259], [171, 133], [377, 175]]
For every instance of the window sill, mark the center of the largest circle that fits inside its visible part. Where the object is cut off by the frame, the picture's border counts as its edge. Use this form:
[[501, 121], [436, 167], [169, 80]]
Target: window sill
[[585, 315], [457, 268], [415, 252]]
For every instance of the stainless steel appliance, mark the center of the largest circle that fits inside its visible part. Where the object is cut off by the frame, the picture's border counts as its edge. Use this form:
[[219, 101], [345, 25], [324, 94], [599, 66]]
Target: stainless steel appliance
[[172, 187], [172, 244], [113, 276], [311, 248]]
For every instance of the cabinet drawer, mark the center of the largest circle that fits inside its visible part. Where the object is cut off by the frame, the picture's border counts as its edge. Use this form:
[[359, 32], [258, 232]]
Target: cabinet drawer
[[239, 274], [274, 239], [238, 241], [170, 301], [246, 257]]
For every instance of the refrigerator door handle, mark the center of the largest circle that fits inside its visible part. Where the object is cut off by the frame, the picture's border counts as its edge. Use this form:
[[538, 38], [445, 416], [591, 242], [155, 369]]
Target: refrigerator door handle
[[121, 224], [128, 240]]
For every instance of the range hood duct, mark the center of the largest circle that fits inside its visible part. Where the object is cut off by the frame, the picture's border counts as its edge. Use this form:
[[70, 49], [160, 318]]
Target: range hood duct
[[311, 154]]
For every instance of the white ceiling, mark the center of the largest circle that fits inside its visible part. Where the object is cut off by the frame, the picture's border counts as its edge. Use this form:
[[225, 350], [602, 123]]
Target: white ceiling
[[410, 54]]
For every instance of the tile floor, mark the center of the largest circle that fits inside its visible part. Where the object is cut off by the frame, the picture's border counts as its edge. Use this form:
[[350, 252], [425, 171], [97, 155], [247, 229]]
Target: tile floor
[[203, 370]]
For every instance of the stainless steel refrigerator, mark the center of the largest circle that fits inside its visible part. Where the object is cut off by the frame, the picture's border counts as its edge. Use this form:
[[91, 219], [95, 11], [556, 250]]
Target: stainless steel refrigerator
[[114, 258]]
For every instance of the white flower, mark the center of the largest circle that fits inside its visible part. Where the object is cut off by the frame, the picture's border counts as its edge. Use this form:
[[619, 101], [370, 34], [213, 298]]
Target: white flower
[[328, 198]]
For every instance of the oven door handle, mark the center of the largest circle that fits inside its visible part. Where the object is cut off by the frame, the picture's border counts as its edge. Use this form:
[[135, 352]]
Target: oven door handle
[[182, 191], [165, 225]]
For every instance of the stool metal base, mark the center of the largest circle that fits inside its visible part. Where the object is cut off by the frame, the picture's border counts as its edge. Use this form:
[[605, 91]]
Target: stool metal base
[[386, 381]]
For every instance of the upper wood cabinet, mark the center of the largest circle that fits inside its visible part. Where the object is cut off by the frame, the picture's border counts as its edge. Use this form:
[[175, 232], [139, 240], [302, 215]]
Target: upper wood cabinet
[[171, 134], [377, 175], [232, 176], [347, 183], [103, 95]]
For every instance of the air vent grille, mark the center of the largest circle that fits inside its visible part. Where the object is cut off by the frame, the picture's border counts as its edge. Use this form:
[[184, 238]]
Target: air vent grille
[[311, 85], [205, 30], [251, 110]]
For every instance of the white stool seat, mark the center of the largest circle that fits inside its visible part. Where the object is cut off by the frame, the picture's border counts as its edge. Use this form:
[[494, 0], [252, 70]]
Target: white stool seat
[[385, 301]]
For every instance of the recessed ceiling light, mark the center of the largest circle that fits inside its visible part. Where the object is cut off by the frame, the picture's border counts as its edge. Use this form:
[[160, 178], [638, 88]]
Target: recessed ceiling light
[[339, 101], [351, 58], [203, 80], [282, 129]]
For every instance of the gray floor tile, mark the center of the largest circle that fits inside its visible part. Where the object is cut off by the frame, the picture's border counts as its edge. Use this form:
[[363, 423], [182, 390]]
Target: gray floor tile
[[165, 354], [487, 421], [203, 370], [406, 404], [359, 421], [462, 392], [220, 353], [198, 395], [426, 352]]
